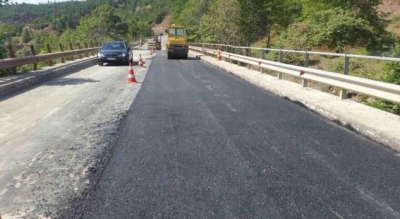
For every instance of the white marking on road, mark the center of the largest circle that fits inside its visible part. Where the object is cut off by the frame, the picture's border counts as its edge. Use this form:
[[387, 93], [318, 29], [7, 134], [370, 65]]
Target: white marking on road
[[21, 180], [4, 191], [384, 206], [231, 108], [34, 158], [51, 112], [18, 184], [337, 214], [210, 88]]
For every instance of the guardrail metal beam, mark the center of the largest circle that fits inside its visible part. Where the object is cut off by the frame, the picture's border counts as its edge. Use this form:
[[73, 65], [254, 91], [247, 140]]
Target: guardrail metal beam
[[378, 89]]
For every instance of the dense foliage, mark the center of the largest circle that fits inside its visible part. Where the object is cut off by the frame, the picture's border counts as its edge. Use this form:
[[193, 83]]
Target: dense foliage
[[58, 14], [335, 24]]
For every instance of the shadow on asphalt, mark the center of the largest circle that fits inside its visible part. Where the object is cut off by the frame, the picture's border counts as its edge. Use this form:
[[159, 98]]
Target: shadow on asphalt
[[134, 63], [70, 81], [116, 64], [188, 59]]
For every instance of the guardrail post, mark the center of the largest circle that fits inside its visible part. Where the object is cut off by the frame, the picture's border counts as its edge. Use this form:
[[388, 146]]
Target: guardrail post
[[262, 55], [304, 82], [229, 50], [79, 47], [71, 47], [86, 46], [91, 45], [343, 92], [12, 55], [62, 50], [49, 51], [33, 53], [306, 58], [280, 60], [248, 54], [239, 52]]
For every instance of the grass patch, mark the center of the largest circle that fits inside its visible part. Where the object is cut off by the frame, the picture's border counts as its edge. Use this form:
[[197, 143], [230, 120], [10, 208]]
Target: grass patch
[[395, 19]]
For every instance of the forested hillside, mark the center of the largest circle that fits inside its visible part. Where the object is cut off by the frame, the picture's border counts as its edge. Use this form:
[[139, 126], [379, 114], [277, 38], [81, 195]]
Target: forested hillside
[[58, 14], [281, 23], [298, 24]]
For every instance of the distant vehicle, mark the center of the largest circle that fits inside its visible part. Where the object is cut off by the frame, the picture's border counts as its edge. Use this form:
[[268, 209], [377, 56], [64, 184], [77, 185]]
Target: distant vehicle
[[177, 45], [151, 44], [113, 52], [154, 43]]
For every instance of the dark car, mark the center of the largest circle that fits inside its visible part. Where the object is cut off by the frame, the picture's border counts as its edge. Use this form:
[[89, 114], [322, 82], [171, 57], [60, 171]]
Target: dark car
[[113, 52]]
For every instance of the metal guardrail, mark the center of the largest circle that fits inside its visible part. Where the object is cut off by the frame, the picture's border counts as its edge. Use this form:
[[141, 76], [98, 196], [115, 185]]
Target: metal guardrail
[[34, 58], [306, 53], [378, 89], [14, 62]]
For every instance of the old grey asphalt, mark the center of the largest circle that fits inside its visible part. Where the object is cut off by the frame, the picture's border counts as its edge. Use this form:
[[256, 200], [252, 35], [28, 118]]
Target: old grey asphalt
[[201, 143]]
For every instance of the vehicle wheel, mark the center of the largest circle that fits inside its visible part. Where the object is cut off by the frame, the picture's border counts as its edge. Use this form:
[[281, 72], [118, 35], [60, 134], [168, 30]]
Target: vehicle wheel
[[100, 64]]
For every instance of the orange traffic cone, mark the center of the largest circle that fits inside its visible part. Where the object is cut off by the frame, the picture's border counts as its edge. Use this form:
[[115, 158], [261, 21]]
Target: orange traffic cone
[[140, 60], [131, 74], [219, 55]]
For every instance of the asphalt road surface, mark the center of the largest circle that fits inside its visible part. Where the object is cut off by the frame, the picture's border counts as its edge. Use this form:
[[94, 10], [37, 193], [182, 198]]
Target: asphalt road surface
[[201, 143]]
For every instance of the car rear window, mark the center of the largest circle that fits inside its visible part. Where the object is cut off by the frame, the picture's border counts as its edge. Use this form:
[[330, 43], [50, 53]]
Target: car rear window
[[113, 46]]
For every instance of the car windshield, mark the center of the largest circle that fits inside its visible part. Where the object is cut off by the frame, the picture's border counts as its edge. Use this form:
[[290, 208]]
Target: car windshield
[[177, 32], [113, 46]]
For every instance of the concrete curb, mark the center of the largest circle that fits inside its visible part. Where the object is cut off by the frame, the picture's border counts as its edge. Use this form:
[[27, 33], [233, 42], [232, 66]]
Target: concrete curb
[[35, 77], [377, 134]]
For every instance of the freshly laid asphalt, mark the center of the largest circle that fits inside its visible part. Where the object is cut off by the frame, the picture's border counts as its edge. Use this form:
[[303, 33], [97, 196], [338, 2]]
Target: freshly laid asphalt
[[201, 143]]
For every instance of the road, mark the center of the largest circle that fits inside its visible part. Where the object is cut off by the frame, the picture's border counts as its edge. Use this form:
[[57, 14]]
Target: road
[[55, 136], [201, 143]]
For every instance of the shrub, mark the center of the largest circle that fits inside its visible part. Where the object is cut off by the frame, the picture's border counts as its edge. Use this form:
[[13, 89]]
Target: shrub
[[293, 39]]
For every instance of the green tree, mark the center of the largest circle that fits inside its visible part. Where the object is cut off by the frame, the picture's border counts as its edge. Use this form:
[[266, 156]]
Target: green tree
[[258, 17], [104, 23], [391, 75], [25, 35], [188, 14], [364, 15], [68, 36], [2, 2], [218, 24], [392, 69], [3, 51], [327, 28]]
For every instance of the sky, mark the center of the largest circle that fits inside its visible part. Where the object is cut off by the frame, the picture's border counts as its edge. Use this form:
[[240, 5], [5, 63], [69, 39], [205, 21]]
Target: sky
[[35, 1]]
